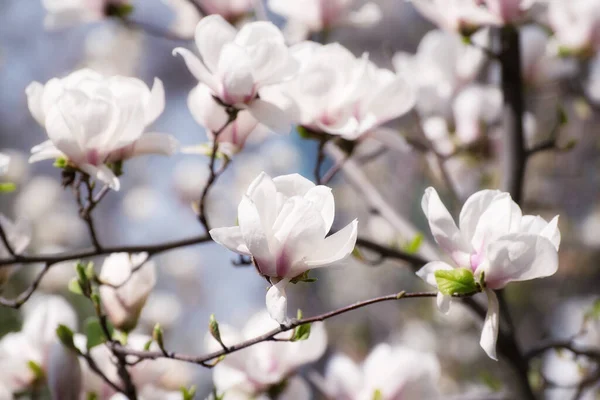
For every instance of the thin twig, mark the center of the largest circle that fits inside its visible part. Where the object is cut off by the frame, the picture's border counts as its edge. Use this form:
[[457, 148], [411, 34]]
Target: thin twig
[[24, 296], [320, 159], [539, 350]]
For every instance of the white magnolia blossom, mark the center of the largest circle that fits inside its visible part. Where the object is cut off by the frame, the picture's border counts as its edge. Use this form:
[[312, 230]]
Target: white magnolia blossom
[[393, 372], [576, 24], [64, 373], [495, 241], [92, 120], [212, 116], [185, 17], [250, 373], [42, 315], [283, 223], [231, 10], [337, 93], [466, 16], [18, 235], [129, 280], [236, 66], [309, 16], [442, 65], [63, 13]]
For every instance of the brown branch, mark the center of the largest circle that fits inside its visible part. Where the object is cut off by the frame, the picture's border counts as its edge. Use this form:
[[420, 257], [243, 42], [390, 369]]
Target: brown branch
[[539, 350], [24, 296], [320, 159], [388, 252]]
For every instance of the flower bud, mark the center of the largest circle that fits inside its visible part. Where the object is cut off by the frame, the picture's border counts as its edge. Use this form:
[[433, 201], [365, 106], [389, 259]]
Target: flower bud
[[64, 373]]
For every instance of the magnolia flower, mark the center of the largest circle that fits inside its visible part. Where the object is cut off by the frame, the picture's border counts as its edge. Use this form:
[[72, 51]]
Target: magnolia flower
[[396, 372], [64, 373], [576, 24], [92, 120], [186, 17], [128, 282], [282, 225], [442, 65], [63, 13], [231, 10], [310, 16], [250, 373], [339, 94], [212, 116], [496, 242], [236, 66], [18, 235]]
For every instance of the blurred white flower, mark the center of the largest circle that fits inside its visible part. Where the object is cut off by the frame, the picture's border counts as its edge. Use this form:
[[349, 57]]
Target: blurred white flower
[[4, 162], [186, 17], [37, 198], [337, 93], [494, 239], [64, 13], [212, 116], [253, 371], [442, 65], [231, 10], [189, 177], [126, 289], [17, 170], [93, 120], [141, 202], [391, 372], [310, 16], [64, 373], [162, 308], [113, 49], [18, 236], [236, 66], [576, 25], [282, 225]]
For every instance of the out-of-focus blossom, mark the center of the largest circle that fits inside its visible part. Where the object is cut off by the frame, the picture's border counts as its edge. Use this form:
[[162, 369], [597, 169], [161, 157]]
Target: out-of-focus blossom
[[442, 65], [189, 177], [141, 202], [63, 13], [339, 94], [64, 373], [162, 308], [310, 16], [4, 161], [126, 289], [93, 120], [494, 241], [186, 17], [231, 10], [113, 49], [236, 66], [212, 116], [576, 25], [391, 372], [592, 83], [251, 372], [18, 235], [282, 225], [37, 197]]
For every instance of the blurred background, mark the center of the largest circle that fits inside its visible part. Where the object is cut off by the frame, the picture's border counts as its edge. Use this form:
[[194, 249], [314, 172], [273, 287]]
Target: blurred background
[[153, 205]]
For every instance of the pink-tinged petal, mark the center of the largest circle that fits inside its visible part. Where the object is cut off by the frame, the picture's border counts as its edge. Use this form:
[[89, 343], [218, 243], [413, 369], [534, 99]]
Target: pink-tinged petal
[[443, 302], [230, 237], [489, 332], [198, 69], [148, 143], [212, 33], [270, 115], [322, 199], [292, 185], [103, 174], [427, 272], [507, 10], [156, 102], [251, 227], [276, 300], [34, 92], [520, 257], [368, 15], [335, 247], [236, 74], [443, 228]]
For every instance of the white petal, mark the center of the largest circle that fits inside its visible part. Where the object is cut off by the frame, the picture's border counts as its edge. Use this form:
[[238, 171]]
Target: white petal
[[230, 237], [156, 102], [103, 174], [198, 69], [295, 389], [277, 302], [270, 115], [473, 208], [366, 16], [537, 225], [322, 198], [427, 272], [251, 227], [489, 332], [335, 247], [501, 217], [520, 257], [212, 33], [154, 143], [34, 93], [262, 192], [443, 302], [292, 185], [45, 151], [235, 72]]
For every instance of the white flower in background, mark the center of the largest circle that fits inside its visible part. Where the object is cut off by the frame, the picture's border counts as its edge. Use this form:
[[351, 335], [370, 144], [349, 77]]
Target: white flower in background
[[64, 373], [212, 116], [92, 120], [236, 66], [4, 161], [576, 24], [393, 372], [283, 223], [63, 13], [592, 83], [251, 372], [494, 241], [442, 65], [337, 93], [310, 16], [231, 10], [18, 235], [185, 17], [126, 290]]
